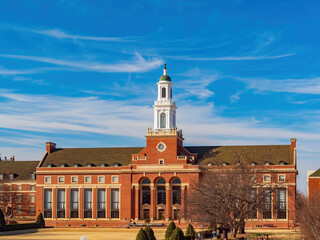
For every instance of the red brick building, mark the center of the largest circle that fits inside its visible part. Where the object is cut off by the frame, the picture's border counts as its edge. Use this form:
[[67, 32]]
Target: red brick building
[[17, 188], [110, 186], [314, 184]]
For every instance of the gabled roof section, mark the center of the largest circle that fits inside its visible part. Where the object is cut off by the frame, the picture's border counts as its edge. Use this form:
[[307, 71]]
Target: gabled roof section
[[316, 173], [21, 169], [260, 154], [95, 156]]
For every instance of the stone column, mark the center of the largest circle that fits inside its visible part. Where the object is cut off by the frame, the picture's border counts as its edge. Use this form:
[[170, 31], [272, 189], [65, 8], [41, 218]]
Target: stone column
[[168, 202], [153, 213], [136, 202]]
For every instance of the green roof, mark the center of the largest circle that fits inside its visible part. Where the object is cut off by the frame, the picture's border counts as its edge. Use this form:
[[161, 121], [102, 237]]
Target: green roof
[[261, 154], [165, 78], [316, 173], [20, 169], [95, 156]]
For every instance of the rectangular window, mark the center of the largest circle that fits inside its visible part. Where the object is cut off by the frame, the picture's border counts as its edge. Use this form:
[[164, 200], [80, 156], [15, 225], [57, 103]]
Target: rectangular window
[[87, 203], [101, 179], [87, 179], [1, 176], [19, 209], [176, 195], [115, 203], [47, 203], [19, 187], [146, 197], [74, 203], [61, 203], [19, 199], [114, 179], [281, 203], [47, 179], [74, 179], [266, 208], [32, 187], [101, 203], [32, 199], [267, 178], [281, 178], [61, 179], [32, 210], [33, 176], [161, 195], [252, 204]]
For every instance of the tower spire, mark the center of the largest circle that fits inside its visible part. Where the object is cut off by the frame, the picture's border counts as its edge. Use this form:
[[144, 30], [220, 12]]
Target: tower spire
[[165, 64]]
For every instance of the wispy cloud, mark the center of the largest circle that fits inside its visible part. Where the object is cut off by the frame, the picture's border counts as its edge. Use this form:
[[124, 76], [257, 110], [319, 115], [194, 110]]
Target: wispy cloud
[[303, 85], [139, 64], [231, 58]]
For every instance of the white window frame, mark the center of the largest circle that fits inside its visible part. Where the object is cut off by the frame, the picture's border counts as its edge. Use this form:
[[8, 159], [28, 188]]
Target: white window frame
[[59, 179], [266, 175], [47, 177], [284, 177], [85, 179], [74, 177], [34, 198], [115, 176], [103, 181]]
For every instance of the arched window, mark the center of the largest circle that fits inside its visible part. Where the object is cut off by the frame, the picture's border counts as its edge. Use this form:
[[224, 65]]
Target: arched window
[[161, 191], [176, 191], [146, 194], [162, 120], [146, 181], [163, 92], [161, 181], [176, 181]]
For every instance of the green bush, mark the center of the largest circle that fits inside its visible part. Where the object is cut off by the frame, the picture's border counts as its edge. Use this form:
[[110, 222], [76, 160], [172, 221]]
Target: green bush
[[177, 234], [142, 235], [22, 226], [170, 230], [190, 233], [2, 220], [148, 230], [40, 220]]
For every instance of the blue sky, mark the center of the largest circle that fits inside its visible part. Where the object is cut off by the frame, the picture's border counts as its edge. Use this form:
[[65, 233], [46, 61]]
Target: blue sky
[[84, 73]]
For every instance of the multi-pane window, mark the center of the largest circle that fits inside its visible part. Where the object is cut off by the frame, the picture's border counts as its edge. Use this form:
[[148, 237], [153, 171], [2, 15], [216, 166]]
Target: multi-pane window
[[87, 203], [19, 209], [281, 178], [252, 204], [19, 199], [146, 195], [33, 176], [74, 179], [266, 207], [61, 179], [47, 203], [19, 187], [87, 179], [47, 179], [32, 199], [115, 203], [101, 203], [161, 195], [74, 203], [114, 179], [176, 195], [61, 203], [32, 210], [101, 179], [267, 178], [32, 187], [281, 203]]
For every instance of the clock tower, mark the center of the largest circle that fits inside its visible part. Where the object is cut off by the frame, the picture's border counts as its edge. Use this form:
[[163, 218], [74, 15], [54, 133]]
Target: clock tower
[[164, 141]]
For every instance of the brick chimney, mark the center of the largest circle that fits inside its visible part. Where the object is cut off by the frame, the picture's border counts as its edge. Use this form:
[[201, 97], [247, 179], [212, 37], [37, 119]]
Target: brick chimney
[[50, 147], [12, 159], [293, 143]]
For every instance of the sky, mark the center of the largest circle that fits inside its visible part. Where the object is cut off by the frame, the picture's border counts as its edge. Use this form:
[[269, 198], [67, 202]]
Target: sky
[[83, 73]]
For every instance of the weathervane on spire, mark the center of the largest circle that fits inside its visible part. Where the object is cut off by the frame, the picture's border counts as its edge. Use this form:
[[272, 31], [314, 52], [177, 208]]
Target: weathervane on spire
[[165, 64]]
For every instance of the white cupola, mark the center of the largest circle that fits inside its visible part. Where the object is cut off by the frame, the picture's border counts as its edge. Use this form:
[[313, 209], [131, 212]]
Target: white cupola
[[164, 106]]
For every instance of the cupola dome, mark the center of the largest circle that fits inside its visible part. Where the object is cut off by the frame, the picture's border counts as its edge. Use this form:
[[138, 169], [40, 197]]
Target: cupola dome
[[165, 77]]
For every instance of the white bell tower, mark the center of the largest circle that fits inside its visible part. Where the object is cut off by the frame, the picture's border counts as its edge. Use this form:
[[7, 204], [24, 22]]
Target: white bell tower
[[164, 107]]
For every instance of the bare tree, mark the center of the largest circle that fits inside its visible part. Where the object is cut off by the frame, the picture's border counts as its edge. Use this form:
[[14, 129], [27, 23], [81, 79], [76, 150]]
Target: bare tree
[[308, 216], [228, 195]]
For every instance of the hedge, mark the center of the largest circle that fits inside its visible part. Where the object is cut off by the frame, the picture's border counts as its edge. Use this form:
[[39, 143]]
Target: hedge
[[20, 226]]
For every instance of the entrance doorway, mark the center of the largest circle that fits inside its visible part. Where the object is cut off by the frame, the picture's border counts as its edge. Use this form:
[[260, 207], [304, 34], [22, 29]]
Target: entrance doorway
[[161, 214], [146, 214], [176, 214]]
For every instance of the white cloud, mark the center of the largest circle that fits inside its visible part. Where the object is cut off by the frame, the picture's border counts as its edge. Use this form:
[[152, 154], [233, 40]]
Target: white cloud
[[303, 85], [139, 64]]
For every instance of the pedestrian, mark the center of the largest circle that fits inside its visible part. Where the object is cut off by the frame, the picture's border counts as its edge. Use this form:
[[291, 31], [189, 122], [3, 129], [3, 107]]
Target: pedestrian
[[213, 234], [199, 236]]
